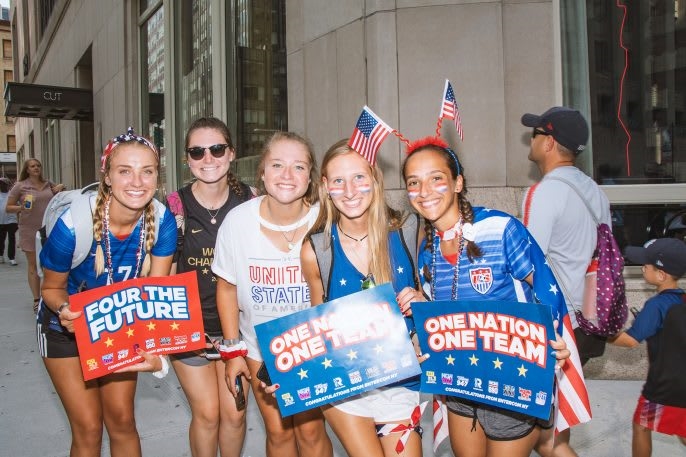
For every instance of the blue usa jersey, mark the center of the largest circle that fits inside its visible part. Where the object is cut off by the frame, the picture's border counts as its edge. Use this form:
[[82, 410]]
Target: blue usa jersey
[[57, 253], [498, 274], [345, 279]]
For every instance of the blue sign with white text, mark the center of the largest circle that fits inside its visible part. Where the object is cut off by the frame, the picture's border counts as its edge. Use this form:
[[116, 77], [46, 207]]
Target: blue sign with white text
[[338, 349], [491, 352]]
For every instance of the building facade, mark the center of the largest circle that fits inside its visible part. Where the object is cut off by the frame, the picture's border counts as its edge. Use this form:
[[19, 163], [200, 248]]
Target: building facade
[[310, 66], [8, 144]]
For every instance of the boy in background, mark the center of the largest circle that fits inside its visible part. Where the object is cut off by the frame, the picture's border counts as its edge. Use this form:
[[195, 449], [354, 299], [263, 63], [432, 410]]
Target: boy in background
[[662, 323]]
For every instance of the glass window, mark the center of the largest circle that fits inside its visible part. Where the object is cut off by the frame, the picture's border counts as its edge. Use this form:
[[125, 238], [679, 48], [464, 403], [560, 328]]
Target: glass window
[[11, 143], [194, 67], [7, 49], [260, 74], [152, 50], [624, 67]]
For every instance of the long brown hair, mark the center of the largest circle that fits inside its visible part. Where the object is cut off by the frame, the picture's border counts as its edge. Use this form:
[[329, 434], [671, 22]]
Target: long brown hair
[[311, 195], [381, 218], [218, 125], [104, 191], [24, 174]]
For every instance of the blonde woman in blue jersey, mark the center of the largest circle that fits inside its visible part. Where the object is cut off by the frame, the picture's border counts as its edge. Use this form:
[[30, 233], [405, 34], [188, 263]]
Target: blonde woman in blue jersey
[[364, 236], [124, 247]]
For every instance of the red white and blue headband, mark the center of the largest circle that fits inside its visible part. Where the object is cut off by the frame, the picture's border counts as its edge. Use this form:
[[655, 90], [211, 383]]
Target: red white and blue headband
[[127, 137]]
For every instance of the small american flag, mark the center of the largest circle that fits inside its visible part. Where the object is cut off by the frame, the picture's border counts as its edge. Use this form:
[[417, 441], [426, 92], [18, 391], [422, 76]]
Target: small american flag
[[368, 135], [449, 108]]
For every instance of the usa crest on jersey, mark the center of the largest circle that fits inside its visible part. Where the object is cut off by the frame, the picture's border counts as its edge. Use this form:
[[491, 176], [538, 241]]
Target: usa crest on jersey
[[481, 279]]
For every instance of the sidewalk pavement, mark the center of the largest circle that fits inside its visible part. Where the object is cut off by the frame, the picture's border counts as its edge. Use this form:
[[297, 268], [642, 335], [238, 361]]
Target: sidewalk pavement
[[33, 422]]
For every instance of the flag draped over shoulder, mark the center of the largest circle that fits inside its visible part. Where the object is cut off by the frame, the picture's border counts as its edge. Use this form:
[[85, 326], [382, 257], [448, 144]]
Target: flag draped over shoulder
[[573, 406], [449, 108], [368, 135]]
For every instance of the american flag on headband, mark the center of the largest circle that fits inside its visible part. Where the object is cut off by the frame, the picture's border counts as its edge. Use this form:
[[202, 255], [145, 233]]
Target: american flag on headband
[[449, 108], [368, 135]]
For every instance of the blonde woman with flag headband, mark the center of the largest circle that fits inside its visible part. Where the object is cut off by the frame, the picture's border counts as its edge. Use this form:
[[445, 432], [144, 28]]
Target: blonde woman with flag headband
[[364, 236], [124, 247], [258, 240], [457, 238]]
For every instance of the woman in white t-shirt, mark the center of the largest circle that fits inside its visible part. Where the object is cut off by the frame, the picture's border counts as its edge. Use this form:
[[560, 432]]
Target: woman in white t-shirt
[[257, 262]]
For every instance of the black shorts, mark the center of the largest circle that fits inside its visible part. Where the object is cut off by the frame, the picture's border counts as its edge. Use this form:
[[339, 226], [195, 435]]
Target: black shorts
[[499, 424], [55, 345]]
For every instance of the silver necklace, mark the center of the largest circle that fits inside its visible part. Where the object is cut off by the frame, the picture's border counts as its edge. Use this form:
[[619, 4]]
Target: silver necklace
[[290, 242], [213, 217]]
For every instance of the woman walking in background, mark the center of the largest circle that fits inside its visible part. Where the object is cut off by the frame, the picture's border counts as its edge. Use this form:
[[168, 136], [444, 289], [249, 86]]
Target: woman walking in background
[[29, 198], [8, 225], [200, 208]]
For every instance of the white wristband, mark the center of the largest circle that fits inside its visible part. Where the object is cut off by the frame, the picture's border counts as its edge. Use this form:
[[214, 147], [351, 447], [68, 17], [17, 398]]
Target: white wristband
[[164, 370]]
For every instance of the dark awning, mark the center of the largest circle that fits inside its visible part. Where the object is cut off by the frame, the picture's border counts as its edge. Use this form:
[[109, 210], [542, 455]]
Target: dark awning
[[48, 102]]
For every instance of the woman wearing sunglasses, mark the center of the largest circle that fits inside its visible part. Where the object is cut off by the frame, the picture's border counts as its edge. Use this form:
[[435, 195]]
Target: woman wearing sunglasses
[[200, 208], [258, 241]]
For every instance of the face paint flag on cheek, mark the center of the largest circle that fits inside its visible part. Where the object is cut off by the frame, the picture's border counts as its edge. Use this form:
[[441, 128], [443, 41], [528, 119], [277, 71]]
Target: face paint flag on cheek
[[336, 192], [364, 188], [442, 188], [412, 194]]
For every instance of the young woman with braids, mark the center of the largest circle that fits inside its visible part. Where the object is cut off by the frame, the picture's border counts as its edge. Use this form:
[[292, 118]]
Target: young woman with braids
[[364, 235], [200, 208], [124, 247], [459, 238]]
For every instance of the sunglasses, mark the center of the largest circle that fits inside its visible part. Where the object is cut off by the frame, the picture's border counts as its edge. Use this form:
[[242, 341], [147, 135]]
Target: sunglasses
[[535, 133], [198, 152]]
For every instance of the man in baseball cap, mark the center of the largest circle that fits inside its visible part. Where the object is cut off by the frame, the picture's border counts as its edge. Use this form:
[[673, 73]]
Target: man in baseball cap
[[562, 212], [567, 126], [666, 254]]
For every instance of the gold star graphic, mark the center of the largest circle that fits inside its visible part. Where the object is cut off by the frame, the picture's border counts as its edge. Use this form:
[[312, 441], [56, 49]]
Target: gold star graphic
[[352, 354], [326, 363], [151, 326], [450, 360], [497, 364], [205, 271], [174, 326], [474, 360], [378, 349], [522, 371], [302, 373], [129, 332], [109, 342]]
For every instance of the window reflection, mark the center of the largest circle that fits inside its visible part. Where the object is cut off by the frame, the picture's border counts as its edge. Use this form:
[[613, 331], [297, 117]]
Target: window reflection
[[152, 40]]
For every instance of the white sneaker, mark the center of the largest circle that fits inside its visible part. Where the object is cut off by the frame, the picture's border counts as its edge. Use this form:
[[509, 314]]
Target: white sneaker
[[13, 262]]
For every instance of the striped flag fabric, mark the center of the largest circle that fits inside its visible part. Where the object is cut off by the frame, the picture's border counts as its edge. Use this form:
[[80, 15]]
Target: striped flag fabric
[[370, 131], [449, 109]]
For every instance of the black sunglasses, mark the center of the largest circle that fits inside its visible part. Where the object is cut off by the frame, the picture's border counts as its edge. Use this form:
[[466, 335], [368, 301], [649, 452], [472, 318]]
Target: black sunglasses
[[535, 133], [198, 152]]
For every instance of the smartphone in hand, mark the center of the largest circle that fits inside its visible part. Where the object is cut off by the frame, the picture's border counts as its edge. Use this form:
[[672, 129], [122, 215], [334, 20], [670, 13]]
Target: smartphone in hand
[[263, 375], [211, 352], [240, 394]]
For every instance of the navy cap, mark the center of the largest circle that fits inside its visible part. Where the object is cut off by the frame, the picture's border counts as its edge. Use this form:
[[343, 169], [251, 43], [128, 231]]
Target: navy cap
[[667, 254], [566, 125]]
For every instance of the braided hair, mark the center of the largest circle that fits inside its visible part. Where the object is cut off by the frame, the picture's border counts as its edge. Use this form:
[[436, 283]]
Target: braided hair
[[456, 169], [101, 212]]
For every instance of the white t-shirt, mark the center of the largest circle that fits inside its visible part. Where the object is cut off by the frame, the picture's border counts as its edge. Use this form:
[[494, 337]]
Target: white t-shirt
[[269, 282], [562, 225]]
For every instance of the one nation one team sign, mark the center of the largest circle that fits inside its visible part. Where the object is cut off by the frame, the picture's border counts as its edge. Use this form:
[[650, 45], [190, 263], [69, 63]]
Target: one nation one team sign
[[160, 315], [491, 352]]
